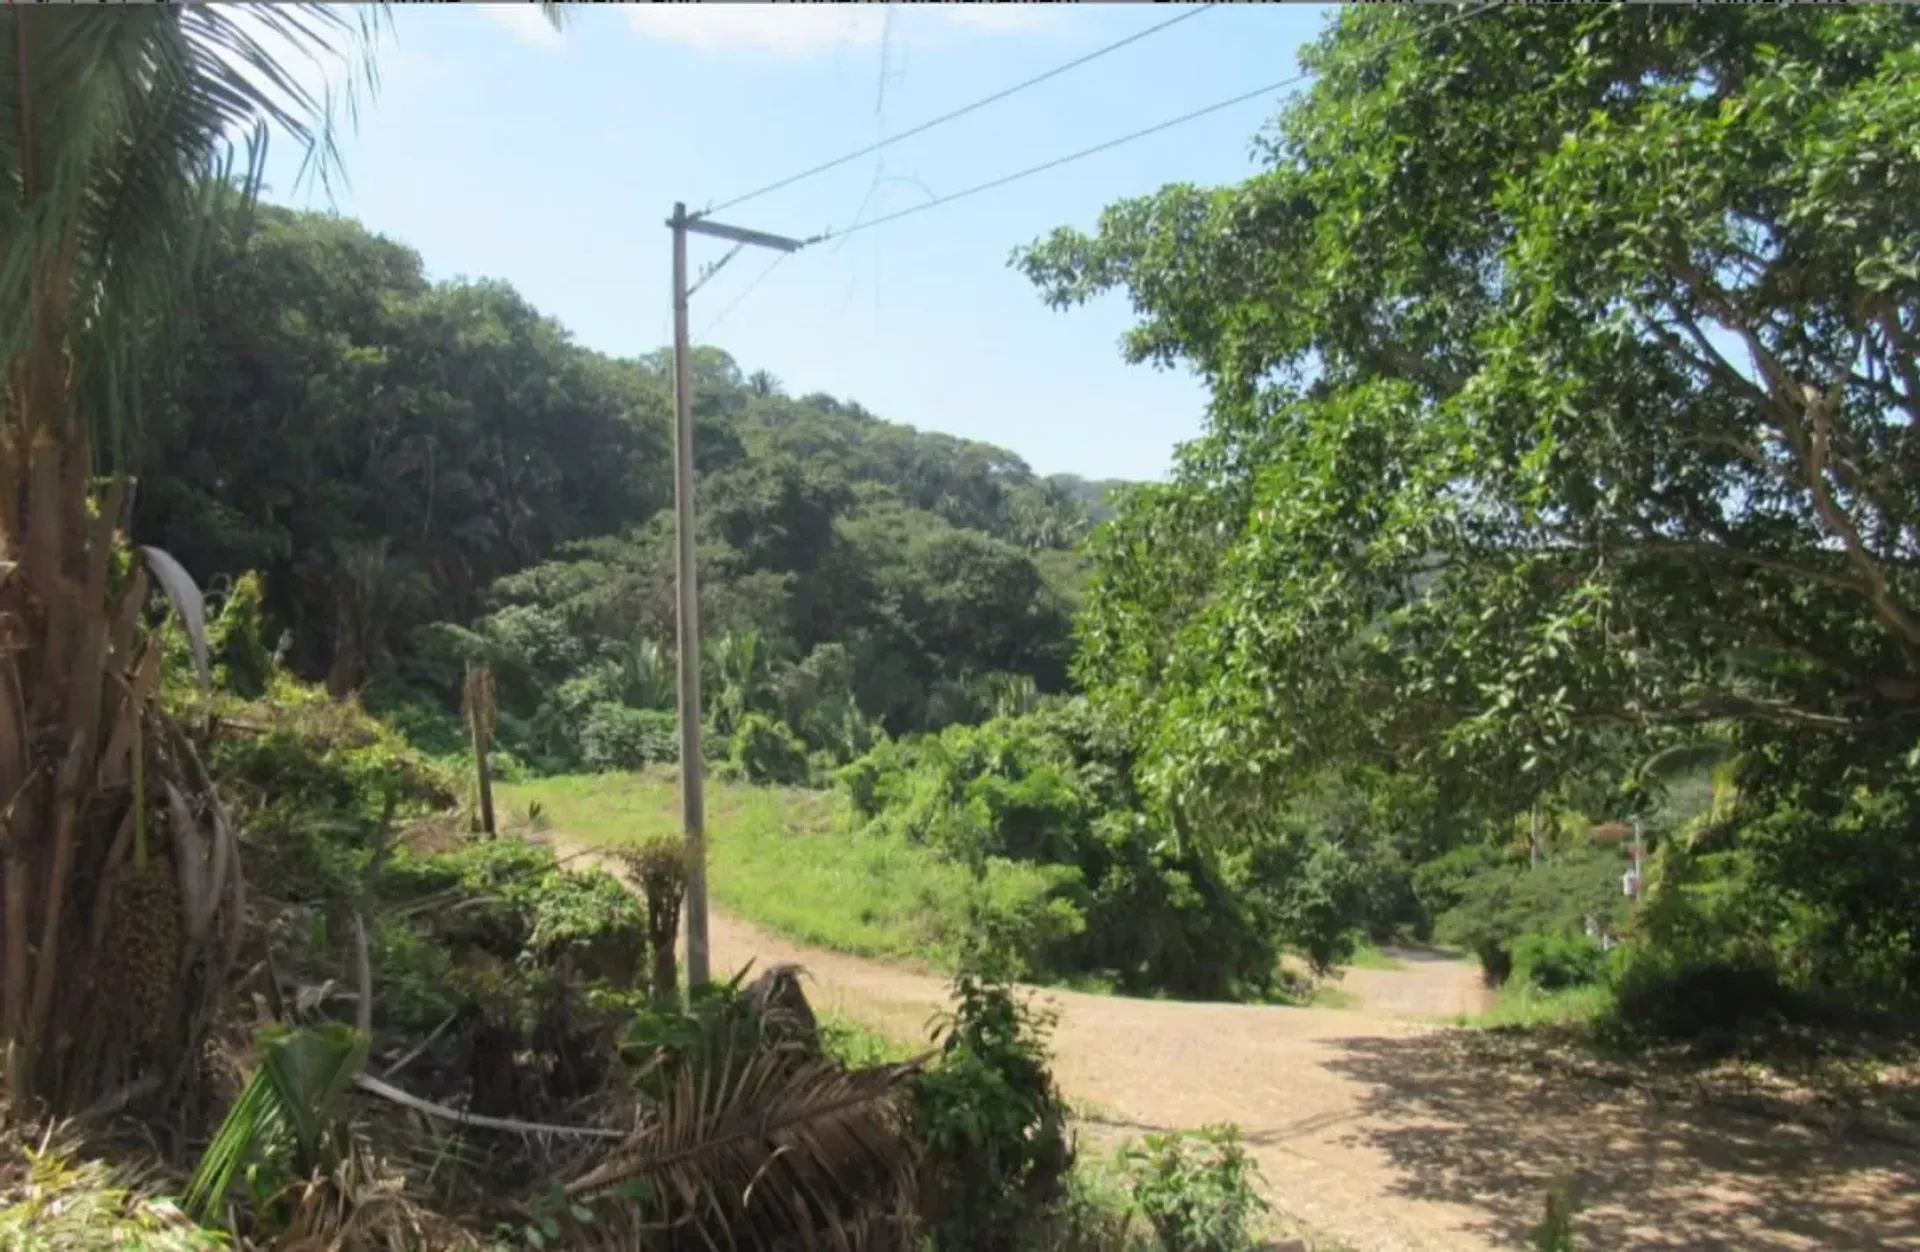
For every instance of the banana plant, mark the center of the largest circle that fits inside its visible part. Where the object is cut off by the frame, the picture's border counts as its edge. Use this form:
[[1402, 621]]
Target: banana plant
[[737, 669], [646, 675]]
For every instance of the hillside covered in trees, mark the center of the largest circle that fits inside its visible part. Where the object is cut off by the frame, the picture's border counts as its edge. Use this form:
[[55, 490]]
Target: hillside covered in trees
[[1558, 512], [430, 473]]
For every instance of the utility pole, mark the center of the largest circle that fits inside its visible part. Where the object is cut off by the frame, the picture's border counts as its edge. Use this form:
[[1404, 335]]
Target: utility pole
[[693, 807]]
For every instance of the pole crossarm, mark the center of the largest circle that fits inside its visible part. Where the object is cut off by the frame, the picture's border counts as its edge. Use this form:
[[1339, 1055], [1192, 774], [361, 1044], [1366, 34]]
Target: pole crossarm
[[741, 235]]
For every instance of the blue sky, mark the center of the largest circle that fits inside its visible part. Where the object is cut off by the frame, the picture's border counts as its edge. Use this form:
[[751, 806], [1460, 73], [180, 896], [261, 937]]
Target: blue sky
[[498, 147]]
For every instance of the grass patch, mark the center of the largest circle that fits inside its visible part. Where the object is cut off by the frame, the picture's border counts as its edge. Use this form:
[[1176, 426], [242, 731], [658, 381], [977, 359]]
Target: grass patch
[[857, 1046], [1367, 956], [785, 859], [1328, 996], [1523, 1006]]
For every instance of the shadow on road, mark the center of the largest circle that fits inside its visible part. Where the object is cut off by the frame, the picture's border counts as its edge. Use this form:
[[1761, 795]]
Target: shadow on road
[[1475, 1120]]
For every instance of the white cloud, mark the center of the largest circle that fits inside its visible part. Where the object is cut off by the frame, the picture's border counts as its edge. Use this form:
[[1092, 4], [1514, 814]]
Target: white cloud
[[797, 31], [527, 23]]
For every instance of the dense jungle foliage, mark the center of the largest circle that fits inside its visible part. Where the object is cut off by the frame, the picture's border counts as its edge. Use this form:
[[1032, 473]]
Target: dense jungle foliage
[[431, 473]]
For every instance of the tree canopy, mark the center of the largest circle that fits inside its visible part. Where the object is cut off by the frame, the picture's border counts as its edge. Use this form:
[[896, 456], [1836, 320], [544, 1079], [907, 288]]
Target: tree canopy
[[1564, 404], [1564, 382], [427, 473]]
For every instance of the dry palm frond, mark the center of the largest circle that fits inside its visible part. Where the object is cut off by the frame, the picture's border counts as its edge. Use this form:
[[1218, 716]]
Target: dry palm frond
[[761, 1149]]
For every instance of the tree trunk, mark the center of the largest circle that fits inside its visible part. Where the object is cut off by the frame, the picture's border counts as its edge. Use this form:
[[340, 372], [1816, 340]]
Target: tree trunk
[[116, 947], [480, 714], [483, 777]]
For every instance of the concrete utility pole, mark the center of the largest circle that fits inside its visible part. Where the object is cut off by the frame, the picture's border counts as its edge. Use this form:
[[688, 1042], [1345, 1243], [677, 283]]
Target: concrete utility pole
[[693, 807]]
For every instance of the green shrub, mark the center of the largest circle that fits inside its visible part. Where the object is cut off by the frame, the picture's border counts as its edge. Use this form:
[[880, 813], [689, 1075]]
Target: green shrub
[[767, 751], [528, 907], [1162, 911], [1556, 962], [414, 975], [1195, 1190], [236, 639], [53, 1201], [1556, 1228], [993, 1122], [423, 719], [615, 737], [1669, 997], [878, 780], [1498, 904], [855, 1046], [1020, 914], [1093, 1214]]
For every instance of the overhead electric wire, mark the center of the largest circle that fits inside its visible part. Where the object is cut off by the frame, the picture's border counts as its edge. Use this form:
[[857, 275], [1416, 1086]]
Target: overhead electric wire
[[744, 292], [944, 118], [1110, 144], [1071, 157]]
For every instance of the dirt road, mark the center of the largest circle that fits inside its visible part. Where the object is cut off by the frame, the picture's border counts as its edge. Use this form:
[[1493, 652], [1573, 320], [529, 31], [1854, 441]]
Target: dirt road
[[1395, 1135]]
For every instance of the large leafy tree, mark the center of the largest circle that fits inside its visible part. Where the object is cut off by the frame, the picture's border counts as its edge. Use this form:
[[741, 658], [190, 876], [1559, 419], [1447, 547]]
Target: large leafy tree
[[1564, 393], [120, 131]]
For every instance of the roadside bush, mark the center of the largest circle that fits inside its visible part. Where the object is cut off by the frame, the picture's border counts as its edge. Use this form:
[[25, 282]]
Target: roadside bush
[[1662, 996], [994, 1124], [1556, 1229], [1440, 885], [528, 905], [1195, 1190], [1824, 833], [767, 751], [616, 737], [1026, 915], [1498, 905], [1556, 962], [53, 1200], [1163, 910]]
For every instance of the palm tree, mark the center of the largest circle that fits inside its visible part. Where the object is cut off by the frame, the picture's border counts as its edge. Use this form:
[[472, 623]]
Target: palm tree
[[124, 132]]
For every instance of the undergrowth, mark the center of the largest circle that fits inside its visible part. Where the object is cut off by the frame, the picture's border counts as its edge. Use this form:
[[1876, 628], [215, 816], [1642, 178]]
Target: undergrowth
[[52, 1200], [785, 859]]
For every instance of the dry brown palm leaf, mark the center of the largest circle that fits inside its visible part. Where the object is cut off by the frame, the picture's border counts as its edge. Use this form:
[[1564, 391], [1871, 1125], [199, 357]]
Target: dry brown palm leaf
[[760, 1149]]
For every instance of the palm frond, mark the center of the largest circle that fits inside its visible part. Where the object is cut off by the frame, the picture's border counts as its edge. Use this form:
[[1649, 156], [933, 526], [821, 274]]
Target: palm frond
[[1701, 755], [125, 133], [294, 1096], [758, 1147]]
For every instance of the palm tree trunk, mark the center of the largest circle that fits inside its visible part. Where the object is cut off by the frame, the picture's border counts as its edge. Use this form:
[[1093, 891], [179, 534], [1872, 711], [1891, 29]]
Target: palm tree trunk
[[112, 949]]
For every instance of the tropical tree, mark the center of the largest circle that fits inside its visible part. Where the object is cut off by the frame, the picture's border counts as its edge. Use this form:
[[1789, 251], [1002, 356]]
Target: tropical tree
[[1565, 399], [1564, 381], [125, 133]]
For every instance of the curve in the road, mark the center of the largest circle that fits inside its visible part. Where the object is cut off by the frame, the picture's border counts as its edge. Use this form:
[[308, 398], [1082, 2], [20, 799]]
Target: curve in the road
[[1395, 1135]]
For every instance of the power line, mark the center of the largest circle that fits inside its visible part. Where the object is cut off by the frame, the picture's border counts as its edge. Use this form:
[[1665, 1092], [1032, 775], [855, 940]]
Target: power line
[[944, 118], [1110, 144], [744, 292], [1083, 153]]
